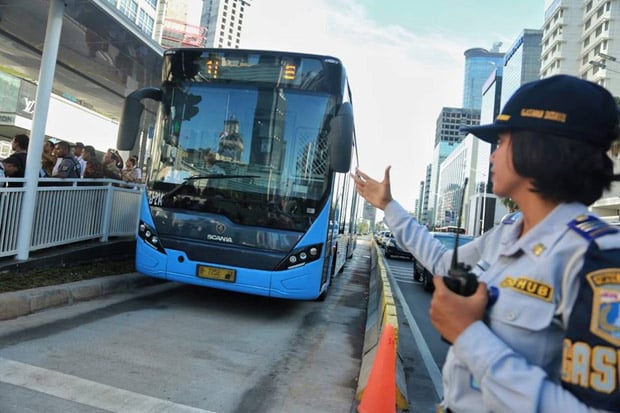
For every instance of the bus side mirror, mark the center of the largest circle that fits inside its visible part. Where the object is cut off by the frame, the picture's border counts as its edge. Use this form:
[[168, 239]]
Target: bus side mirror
[[340, 139], [130, 117]]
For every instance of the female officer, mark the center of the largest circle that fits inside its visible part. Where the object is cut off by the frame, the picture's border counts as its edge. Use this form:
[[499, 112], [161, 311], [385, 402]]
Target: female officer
[[551, 340]]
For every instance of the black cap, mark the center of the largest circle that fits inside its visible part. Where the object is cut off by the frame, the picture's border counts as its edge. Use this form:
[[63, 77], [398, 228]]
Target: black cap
[[560, 105], [79, 145]]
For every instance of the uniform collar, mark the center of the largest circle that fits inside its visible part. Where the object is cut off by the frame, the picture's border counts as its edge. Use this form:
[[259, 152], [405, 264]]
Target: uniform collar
[[541, 239]]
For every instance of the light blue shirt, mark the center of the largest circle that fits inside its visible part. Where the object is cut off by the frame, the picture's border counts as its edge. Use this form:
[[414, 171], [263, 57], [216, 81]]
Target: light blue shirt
[[513, 361]]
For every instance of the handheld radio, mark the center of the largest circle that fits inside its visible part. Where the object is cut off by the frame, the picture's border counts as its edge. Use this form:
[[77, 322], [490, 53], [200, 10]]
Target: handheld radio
[[459, 279]]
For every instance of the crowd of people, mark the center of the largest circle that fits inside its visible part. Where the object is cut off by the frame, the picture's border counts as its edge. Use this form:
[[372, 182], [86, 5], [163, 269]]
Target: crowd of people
[[64, 160]]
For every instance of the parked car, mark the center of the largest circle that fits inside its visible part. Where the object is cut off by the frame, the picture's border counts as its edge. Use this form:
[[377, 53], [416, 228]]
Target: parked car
[[382, 236], [447, 238], [378, 235], [392, 249]]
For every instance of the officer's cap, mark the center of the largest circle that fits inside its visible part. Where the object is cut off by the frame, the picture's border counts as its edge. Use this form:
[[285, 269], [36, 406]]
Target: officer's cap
[[560, 105]]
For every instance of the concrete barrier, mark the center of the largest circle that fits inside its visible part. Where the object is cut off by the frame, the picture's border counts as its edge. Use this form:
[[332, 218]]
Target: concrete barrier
[[381, 311], [24, 302]]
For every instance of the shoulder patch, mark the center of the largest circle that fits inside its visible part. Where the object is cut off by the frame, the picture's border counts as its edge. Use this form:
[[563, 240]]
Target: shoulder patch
[[511, 218], [605, 321], [591, 227]]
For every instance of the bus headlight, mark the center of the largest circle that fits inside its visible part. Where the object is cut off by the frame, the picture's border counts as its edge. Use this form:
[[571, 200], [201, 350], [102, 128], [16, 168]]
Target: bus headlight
[[149, 235], [300, 256]]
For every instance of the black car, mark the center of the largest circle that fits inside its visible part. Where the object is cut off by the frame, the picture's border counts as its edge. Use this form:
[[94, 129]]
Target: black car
[[392, 249], [447, 238]]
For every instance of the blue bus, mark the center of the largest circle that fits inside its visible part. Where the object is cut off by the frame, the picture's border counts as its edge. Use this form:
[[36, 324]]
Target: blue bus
[[247, 185]]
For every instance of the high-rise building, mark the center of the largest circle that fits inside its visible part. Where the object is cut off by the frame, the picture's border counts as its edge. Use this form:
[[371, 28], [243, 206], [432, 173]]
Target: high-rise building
[[479, 64], [521, 64], [447, 137], [224, 22], [580, 39]]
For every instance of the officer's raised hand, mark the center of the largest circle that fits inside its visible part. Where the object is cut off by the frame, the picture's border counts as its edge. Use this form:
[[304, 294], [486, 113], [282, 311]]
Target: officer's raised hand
[[378, 194]]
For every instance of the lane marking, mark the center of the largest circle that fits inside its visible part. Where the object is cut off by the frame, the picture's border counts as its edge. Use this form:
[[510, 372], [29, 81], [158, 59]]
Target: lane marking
[[427, 357], [87, 392]]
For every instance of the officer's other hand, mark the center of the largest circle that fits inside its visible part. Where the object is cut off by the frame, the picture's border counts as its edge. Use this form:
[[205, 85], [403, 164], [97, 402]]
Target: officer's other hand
[[378, 194], [451, 313]]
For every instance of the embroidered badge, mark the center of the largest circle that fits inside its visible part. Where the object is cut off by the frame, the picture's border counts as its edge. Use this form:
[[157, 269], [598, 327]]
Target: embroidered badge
[[590, 227], [605, 321], [528, 286]]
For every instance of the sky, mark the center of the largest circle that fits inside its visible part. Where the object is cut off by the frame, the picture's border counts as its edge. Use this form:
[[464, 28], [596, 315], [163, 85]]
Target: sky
[[404, 59]]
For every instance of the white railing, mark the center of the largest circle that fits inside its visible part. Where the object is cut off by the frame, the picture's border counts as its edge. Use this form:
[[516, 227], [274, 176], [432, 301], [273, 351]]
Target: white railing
[[70, 210]]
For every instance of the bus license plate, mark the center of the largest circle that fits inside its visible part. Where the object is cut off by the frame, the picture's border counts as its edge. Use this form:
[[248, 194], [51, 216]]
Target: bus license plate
[[213, 273]]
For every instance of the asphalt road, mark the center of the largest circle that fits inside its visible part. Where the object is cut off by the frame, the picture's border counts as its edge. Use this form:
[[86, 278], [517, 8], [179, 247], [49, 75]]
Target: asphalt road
[[180, 348], [421, 346]]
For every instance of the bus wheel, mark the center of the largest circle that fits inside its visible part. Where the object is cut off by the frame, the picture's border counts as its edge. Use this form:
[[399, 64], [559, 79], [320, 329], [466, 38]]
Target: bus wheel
[[323, 295]]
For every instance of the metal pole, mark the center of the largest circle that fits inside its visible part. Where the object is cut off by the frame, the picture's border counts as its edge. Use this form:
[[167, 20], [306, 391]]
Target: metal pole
[[37, 134]]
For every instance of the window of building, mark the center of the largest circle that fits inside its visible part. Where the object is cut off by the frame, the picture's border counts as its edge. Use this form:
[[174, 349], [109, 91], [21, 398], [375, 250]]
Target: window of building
[[589, 6], [152, 3], [587, 23], [600, 12], [129, 8], [145, 22]]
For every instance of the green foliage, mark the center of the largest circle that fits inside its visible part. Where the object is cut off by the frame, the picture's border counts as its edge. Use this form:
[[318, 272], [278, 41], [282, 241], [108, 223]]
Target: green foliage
[[510, 204]]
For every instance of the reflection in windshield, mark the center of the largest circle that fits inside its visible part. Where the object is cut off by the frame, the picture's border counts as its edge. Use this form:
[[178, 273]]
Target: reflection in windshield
[[255, 156]]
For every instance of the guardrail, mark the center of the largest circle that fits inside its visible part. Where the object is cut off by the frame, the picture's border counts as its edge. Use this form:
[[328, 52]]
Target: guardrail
[[69, 210]]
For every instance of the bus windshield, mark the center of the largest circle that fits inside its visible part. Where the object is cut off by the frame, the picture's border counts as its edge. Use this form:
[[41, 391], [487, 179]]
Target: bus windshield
[[253, 154]]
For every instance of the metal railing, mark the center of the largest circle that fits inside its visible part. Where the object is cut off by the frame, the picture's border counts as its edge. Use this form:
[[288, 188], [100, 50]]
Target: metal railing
[[70, 210]]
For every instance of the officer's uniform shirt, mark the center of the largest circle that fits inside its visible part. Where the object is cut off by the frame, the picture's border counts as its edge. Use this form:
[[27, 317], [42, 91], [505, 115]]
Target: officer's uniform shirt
[[513, 360]]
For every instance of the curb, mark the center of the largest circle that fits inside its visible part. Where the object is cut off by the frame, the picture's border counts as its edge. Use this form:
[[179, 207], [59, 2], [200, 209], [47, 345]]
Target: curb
[[381, 312], [20, 303]]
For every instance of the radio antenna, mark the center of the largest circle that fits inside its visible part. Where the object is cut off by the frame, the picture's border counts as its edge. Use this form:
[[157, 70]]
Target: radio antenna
[[455, 258]]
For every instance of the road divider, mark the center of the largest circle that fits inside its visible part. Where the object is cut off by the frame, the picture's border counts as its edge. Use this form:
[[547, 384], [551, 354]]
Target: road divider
[[381, 322]]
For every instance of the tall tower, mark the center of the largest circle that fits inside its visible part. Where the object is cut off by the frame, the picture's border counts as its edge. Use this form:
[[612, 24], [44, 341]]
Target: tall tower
[[521, 65], [447, 137], [479, 64], [224, 21]]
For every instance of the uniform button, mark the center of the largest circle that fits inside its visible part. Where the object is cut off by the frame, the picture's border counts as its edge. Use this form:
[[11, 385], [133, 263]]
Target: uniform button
[[511, 315]]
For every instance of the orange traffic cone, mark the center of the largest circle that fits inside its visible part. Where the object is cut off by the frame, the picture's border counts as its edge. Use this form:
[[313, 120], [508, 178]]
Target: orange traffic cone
[[380, 393]]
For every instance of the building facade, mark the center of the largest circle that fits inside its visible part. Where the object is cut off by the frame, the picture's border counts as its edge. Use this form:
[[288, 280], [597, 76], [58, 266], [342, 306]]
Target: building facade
[[521, 63], [448, 135], [580, 38], [224, 21]]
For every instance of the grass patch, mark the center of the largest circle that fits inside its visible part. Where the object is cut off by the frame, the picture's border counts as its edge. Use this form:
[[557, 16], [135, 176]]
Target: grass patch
[[43, 277]]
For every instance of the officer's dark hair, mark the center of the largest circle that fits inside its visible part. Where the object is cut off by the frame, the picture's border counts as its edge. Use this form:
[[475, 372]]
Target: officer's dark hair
[[562, 169], [22, 140]]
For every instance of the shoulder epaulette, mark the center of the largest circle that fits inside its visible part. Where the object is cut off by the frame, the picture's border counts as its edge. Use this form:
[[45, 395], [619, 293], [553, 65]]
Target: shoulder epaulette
[[591, 227], [511, 218]]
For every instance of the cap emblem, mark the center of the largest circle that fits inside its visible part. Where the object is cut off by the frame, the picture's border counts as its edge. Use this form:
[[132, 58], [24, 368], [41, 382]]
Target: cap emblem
[[544, 114]]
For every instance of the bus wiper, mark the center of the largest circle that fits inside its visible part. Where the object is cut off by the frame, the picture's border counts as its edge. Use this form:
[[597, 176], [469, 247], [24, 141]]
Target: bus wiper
[[217, 176], [177, 188]]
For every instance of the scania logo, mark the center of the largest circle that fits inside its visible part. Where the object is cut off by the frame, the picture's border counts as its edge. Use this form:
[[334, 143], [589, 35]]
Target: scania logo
[[219, 238], [220, 228]]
